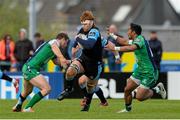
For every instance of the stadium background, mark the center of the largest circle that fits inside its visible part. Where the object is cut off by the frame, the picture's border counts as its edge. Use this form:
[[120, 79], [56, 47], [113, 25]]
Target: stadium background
[[63, 15]]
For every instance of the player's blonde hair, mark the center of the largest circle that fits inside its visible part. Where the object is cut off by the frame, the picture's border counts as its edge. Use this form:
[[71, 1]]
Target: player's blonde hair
[[87, 15]]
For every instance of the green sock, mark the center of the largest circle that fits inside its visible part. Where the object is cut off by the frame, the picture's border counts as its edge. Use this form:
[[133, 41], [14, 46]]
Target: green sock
[[36, 98]]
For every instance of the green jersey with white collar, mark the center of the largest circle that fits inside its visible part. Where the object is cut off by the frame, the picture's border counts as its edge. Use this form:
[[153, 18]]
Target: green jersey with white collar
[[42, 55], [146, 71]]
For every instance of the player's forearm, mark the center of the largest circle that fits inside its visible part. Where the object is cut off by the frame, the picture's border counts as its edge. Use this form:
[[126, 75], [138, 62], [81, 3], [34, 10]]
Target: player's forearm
[[57, 52], [109, 46], [74, 51], [124, 49], [89, 43], [122, 41]]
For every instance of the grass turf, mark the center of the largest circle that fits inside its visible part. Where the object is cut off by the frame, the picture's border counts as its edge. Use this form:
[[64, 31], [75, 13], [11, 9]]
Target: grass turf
[[70, 109]]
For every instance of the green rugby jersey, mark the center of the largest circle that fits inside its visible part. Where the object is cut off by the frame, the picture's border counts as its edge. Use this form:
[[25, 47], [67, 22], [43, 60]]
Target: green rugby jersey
[[144, 56], [42, 55]]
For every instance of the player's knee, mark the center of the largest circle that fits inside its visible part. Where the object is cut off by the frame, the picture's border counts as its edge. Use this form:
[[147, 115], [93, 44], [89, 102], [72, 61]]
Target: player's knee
[[139, 98], [70, 73], [82, 81], [90, 88]]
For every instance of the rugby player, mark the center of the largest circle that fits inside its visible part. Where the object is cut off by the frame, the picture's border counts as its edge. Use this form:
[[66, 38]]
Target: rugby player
[[82, 80], [145, 76], [49, 50], [90, 61]]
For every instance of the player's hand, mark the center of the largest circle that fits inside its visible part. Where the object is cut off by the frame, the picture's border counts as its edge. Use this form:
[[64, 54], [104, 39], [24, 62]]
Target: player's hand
[[110, 46], [69, 62], [64, 63], [113, 36], [77, 48], [118, 61]]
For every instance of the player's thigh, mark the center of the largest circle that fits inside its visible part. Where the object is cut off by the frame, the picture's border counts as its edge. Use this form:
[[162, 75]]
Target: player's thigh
[[93, 71], [40, 82], [148, 80], [29, 72], [83, 79]]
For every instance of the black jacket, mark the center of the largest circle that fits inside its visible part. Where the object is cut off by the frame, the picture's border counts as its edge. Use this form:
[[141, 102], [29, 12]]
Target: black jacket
[[157, 50], [22, 49]]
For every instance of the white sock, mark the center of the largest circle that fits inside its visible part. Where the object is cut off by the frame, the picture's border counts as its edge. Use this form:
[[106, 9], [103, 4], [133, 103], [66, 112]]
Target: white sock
[[156, 89], [19, 101]]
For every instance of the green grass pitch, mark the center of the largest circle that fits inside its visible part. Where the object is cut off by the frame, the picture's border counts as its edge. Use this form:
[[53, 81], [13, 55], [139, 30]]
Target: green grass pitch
[[70, 109]]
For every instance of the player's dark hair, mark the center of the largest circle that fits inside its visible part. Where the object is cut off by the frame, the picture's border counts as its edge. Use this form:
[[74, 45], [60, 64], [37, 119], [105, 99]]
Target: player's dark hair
[[62, 35], [136, 28]]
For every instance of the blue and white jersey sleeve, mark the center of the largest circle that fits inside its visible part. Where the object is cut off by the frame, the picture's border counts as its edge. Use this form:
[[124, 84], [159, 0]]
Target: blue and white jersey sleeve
[[75, 44], [104, 42], [93, 34]]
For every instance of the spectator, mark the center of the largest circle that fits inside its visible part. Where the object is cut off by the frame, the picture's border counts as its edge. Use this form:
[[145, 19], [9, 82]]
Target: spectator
[[7, 59], [156, 47], [39, 39], [110, 56], [23, 49]]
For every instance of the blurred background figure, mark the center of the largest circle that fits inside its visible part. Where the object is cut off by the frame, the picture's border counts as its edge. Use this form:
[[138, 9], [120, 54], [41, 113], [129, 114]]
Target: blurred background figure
[[113, 67], [7, 59], [38, 39], [156, 47], [23, 49]]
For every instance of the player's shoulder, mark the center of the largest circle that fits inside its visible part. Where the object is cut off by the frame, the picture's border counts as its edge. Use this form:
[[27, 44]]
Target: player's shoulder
[[139, 38], [50, 42], [94, 31]]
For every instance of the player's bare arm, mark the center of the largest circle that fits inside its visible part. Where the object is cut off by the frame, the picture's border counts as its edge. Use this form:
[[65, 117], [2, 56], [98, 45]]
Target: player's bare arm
[[121, 40], [129, 48], [60, 57]]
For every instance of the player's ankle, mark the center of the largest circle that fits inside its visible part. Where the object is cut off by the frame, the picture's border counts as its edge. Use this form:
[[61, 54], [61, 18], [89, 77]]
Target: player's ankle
[[128, 107]]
